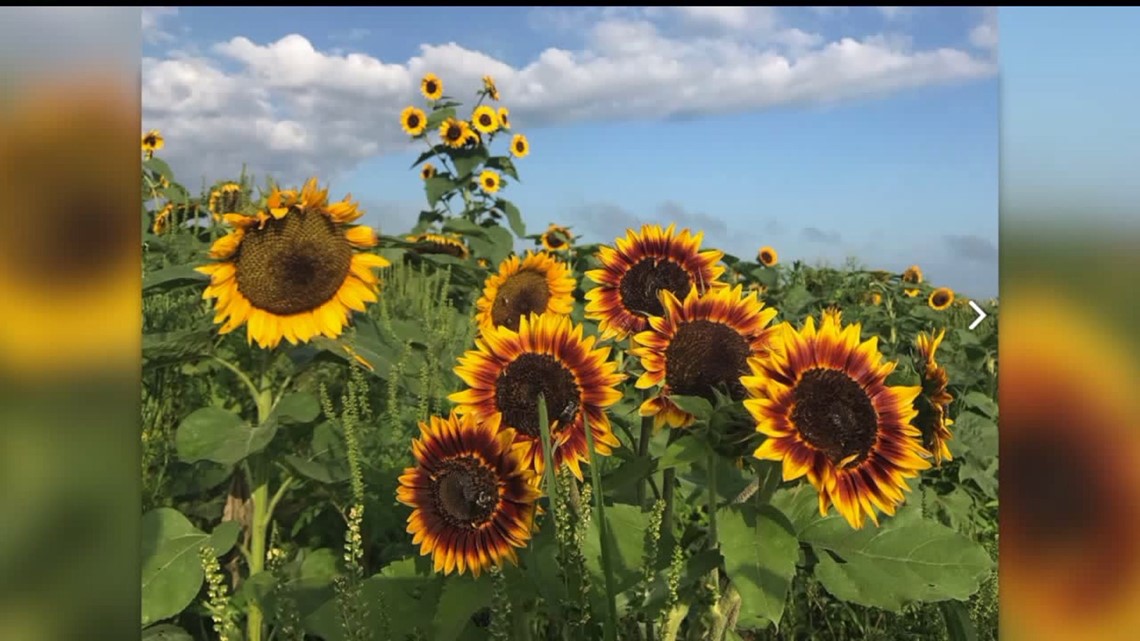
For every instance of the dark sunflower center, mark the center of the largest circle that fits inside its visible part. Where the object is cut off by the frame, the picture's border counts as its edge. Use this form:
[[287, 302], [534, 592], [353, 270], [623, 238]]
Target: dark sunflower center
[[520, 146], [834, 414], [413, 121], [489, 181], [554, 240], [431, 86], [465, 492], [940, 299], [295, 264], [451, 249], [703, 356], [518, 387], [150, 141], [230, 201], [766, 257], [485, 120], [524, 293], [640, 285], [454, 133]]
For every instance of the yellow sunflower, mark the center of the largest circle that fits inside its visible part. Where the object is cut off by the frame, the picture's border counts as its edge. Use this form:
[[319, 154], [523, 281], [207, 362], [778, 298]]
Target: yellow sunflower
[[504, 118], [556, 238], [489, 87], [431, 87], [934, 403], [152, 141], [913, 275], [821, 398], [427, 171], [454, 133], [484, 119], [413, 121], [941, 298], [508, 370], [535, 284], [227, 198], [449, 244], [876, 298], [490, 181], [520, 146], [162, 219], [700, 344], [638, 267], [292, 271], [472, 495], [767, 256]]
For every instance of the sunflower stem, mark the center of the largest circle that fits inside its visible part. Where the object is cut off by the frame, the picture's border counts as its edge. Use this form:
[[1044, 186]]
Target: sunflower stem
[[548, 457], [712, 461], [254, 392], [603, 534], [263, 507]]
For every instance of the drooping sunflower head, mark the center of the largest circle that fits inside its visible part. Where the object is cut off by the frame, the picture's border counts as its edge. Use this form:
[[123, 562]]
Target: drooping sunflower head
[[454, 133], [537, 283], [472, 496], [520, 146], [820, 397], [767, 256], [490, 181], [490, 89], [548, 356], [227, 198], [699, 345], [912, 275], [941, 298], [162, 219], [504, 118], [450, 244], [638, 267], [556, 238], [427, 171], [875, 298], [292, 271], [431, 87], [485, 120], [413, 121], [152, 141], [933, 405]]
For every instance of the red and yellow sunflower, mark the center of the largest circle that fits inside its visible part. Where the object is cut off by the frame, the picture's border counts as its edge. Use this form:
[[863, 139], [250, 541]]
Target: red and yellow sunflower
[[537, 283], [934, 403]]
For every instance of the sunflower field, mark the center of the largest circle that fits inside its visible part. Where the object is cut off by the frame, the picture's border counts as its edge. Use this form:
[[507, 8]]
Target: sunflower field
[[467, 431]]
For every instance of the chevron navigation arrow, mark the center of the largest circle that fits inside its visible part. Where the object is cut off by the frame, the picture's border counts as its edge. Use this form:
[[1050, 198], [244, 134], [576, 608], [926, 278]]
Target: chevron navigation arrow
[[981, 314]]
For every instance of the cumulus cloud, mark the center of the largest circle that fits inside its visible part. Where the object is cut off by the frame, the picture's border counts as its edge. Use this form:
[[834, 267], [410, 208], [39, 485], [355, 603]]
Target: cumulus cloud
[[289, 108], [153, 19], [985, 35]]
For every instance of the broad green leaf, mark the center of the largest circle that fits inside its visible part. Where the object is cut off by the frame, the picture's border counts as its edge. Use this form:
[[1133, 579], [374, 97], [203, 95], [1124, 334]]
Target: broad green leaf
[[465, 227], [298, 407], [975, 434], [434, 151], [626, 525], [409, 602], [696, 405], [436, 117], [982, 403], [327, 462], [514, 216], [436, 187], [166, 632], [160, 167], [984, 477], [171, 568], [495, 243], [467, 161], [177, 346], [461, 597], [170, 277], [760, 551], [683, 451], [218, 435], [505, 165], [959, 625]]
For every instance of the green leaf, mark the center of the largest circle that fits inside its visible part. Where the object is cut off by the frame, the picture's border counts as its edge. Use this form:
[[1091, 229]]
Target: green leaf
[[495, 244], [166, 632], [297, 407], [959, 625], [170, 277], [434, 151], [436, 118], [760, 551], [982, 403], [175, 347], [409, 600], [626, 525], [977, 434], [465, 227], [328, 461], [461, 597], [696, 405], [467, 161], [171, 568], [214, 434], [159, 166], [514, 216], [685, 450], [437, 187], [505, 165]]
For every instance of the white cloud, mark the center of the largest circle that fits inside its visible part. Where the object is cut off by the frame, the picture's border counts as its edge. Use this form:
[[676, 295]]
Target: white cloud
[[289, 108], [985, 35], [153, 19]]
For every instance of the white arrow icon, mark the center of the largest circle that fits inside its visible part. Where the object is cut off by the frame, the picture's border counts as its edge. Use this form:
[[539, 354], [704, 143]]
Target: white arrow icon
[[981, 314]]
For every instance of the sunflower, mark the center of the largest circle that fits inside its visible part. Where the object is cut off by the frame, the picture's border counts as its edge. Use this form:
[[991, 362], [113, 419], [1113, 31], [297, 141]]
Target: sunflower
[[767, 256], [427, 171], [535, 284], [413, 121], [933, 418], [638, 267], [483, 262], [162, 220], [876, 298], [449, 244], [913, 275], [454, 133], [152, 141], [504, 118], [431, 87], [821, 398], [484, 119], [508, 370], [227, 198], [473, 498], [490, 89], [700, 344], [291, 271], [490, 181], [556, 238], [941, 298]]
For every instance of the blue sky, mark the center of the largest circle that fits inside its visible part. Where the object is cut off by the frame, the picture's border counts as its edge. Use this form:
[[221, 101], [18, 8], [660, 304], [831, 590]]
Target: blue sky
[[884, 148]]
